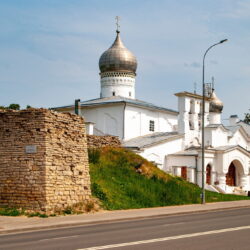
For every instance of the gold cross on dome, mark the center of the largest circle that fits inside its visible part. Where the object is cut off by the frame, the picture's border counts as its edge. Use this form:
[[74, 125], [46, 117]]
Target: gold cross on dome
[[117, 18]]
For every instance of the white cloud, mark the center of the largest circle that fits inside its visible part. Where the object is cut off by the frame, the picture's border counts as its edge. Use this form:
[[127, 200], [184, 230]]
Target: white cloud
[[236, 10]]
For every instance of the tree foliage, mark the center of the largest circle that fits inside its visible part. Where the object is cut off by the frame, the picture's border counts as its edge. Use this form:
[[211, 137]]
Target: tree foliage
[[247, 118], [14, 106]]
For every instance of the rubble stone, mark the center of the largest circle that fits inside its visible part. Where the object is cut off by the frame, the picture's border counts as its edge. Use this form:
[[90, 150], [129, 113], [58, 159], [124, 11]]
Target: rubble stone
[[95, 141], [43, 160]]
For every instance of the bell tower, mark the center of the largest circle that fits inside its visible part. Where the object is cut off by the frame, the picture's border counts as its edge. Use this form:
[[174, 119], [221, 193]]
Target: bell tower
[[117, 70]]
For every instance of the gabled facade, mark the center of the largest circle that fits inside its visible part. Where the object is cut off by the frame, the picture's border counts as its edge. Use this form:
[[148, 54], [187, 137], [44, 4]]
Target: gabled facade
[[226, 147]]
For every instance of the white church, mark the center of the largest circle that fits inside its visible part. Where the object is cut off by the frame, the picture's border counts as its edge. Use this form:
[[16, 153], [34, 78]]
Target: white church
[[171, 139]]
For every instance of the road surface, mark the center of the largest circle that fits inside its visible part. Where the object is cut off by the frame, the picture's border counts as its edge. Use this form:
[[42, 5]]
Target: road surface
[[228, 229]]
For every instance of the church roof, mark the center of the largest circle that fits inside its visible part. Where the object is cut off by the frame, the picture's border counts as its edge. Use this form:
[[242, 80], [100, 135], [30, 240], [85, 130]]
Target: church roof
[[231, 147], [119, 99], [193, 151], [215, 105], [245, 126], [226, 147], [187, 152], [118, 58], [150, 139], [192, 95], [233, 129], [217, 126]]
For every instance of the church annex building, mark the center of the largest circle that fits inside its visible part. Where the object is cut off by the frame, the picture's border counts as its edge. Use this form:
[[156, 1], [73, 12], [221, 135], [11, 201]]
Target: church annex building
[[171, 139]]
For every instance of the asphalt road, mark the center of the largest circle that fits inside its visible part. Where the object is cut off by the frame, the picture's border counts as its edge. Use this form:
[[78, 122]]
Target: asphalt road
[[228, 229]]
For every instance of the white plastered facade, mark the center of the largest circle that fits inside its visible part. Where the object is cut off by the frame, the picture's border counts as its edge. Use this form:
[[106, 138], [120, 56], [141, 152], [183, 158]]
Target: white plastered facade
[[118, 86], [157, 153], [137, 121], [226, 150]]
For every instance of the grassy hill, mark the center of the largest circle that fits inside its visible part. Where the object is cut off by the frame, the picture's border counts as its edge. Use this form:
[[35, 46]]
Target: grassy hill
[[123, 180]]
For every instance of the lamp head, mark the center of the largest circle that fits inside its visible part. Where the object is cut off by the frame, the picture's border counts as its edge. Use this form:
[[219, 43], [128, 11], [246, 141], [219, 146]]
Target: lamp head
[[222, 41]]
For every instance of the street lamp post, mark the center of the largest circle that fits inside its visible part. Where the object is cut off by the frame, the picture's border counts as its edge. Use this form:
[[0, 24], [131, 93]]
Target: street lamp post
[[203, 122]]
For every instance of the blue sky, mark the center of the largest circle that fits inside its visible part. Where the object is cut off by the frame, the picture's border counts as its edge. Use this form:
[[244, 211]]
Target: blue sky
[[49, 49]]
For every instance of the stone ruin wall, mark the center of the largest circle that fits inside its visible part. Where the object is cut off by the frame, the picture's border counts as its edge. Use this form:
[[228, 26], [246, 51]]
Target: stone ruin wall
[[95, 141], [43, 160]]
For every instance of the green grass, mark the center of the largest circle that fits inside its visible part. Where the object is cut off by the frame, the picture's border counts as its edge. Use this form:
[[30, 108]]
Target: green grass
[[123, 180], [5, 211], [11, 212]]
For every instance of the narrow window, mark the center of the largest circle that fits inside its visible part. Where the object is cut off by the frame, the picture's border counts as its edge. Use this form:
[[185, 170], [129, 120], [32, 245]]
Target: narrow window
[[129, 93], [151, 125], [113, 93]]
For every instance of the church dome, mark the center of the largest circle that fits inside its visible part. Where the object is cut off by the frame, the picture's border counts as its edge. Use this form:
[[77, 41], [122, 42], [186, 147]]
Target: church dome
[[216, 105], [118, 58]]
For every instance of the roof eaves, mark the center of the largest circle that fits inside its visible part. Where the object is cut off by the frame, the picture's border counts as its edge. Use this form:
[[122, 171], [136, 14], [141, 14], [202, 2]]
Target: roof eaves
[[100, 103], [62, 107], [162, 141], [189, 94], [232, 148], [151, 106]]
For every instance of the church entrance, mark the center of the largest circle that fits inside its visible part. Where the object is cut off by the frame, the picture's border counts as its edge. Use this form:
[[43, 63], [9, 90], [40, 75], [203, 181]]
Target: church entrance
[[184, 173], [231, 175], [208, 174]]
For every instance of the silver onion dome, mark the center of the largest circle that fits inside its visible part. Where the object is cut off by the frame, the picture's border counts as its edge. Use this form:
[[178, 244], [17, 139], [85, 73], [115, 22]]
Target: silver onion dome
[[118, 58], [216, 105]]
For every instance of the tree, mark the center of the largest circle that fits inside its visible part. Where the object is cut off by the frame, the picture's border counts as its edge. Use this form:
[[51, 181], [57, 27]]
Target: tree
[[14, 106], [247, 118]]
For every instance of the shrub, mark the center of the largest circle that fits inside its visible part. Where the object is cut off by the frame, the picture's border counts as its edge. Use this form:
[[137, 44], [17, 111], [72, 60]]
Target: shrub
[[94, 155]]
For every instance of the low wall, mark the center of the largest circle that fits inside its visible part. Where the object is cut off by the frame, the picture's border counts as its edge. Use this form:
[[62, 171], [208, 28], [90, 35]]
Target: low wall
[[95, 141]]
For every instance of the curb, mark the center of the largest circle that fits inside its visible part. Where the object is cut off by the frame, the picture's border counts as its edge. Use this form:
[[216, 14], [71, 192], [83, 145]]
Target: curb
[[94, 222]]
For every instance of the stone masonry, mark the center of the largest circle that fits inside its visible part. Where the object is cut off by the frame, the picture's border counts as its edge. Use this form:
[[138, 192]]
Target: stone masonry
[[96, 141], [43, 160]]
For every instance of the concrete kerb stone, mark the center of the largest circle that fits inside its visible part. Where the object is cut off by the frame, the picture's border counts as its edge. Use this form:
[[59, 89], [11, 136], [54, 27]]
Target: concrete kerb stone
[[22, 224]]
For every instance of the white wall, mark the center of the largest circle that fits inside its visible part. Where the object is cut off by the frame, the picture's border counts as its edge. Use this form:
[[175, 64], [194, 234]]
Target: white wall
[[120, 85], [210, 158], [189, 120], [137, 121], [108, 119], [180, 161], [239, 139], [216, 137], [158, 152], [214, 118]]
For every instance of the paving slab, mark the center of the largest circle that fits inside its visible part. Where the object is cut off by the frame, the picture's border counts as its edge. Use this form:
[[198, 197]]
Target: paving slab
[[21, 224]]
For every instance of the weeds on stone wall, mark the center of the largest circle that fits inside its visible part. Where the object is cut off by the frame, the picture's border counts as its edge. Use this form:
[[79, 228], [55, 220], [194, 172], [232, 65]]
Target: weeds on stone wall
[[92, 205], [20, 212]]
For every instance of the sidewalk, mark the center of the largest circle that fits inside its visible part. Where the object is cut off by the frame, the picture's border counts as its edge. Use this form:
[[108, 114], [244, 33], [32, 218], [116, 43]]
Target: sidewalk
[[21, 224]]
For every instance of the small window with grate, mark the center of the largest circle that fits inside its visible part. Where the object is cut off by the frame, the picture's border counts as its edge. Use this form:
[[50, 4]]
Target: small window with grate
[[113, 93], [151, 125]]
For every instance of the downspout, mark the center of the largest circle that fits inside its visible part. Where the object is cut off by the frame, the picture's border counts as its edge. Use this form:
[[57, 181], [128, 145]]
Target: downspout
[[124, 120]]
